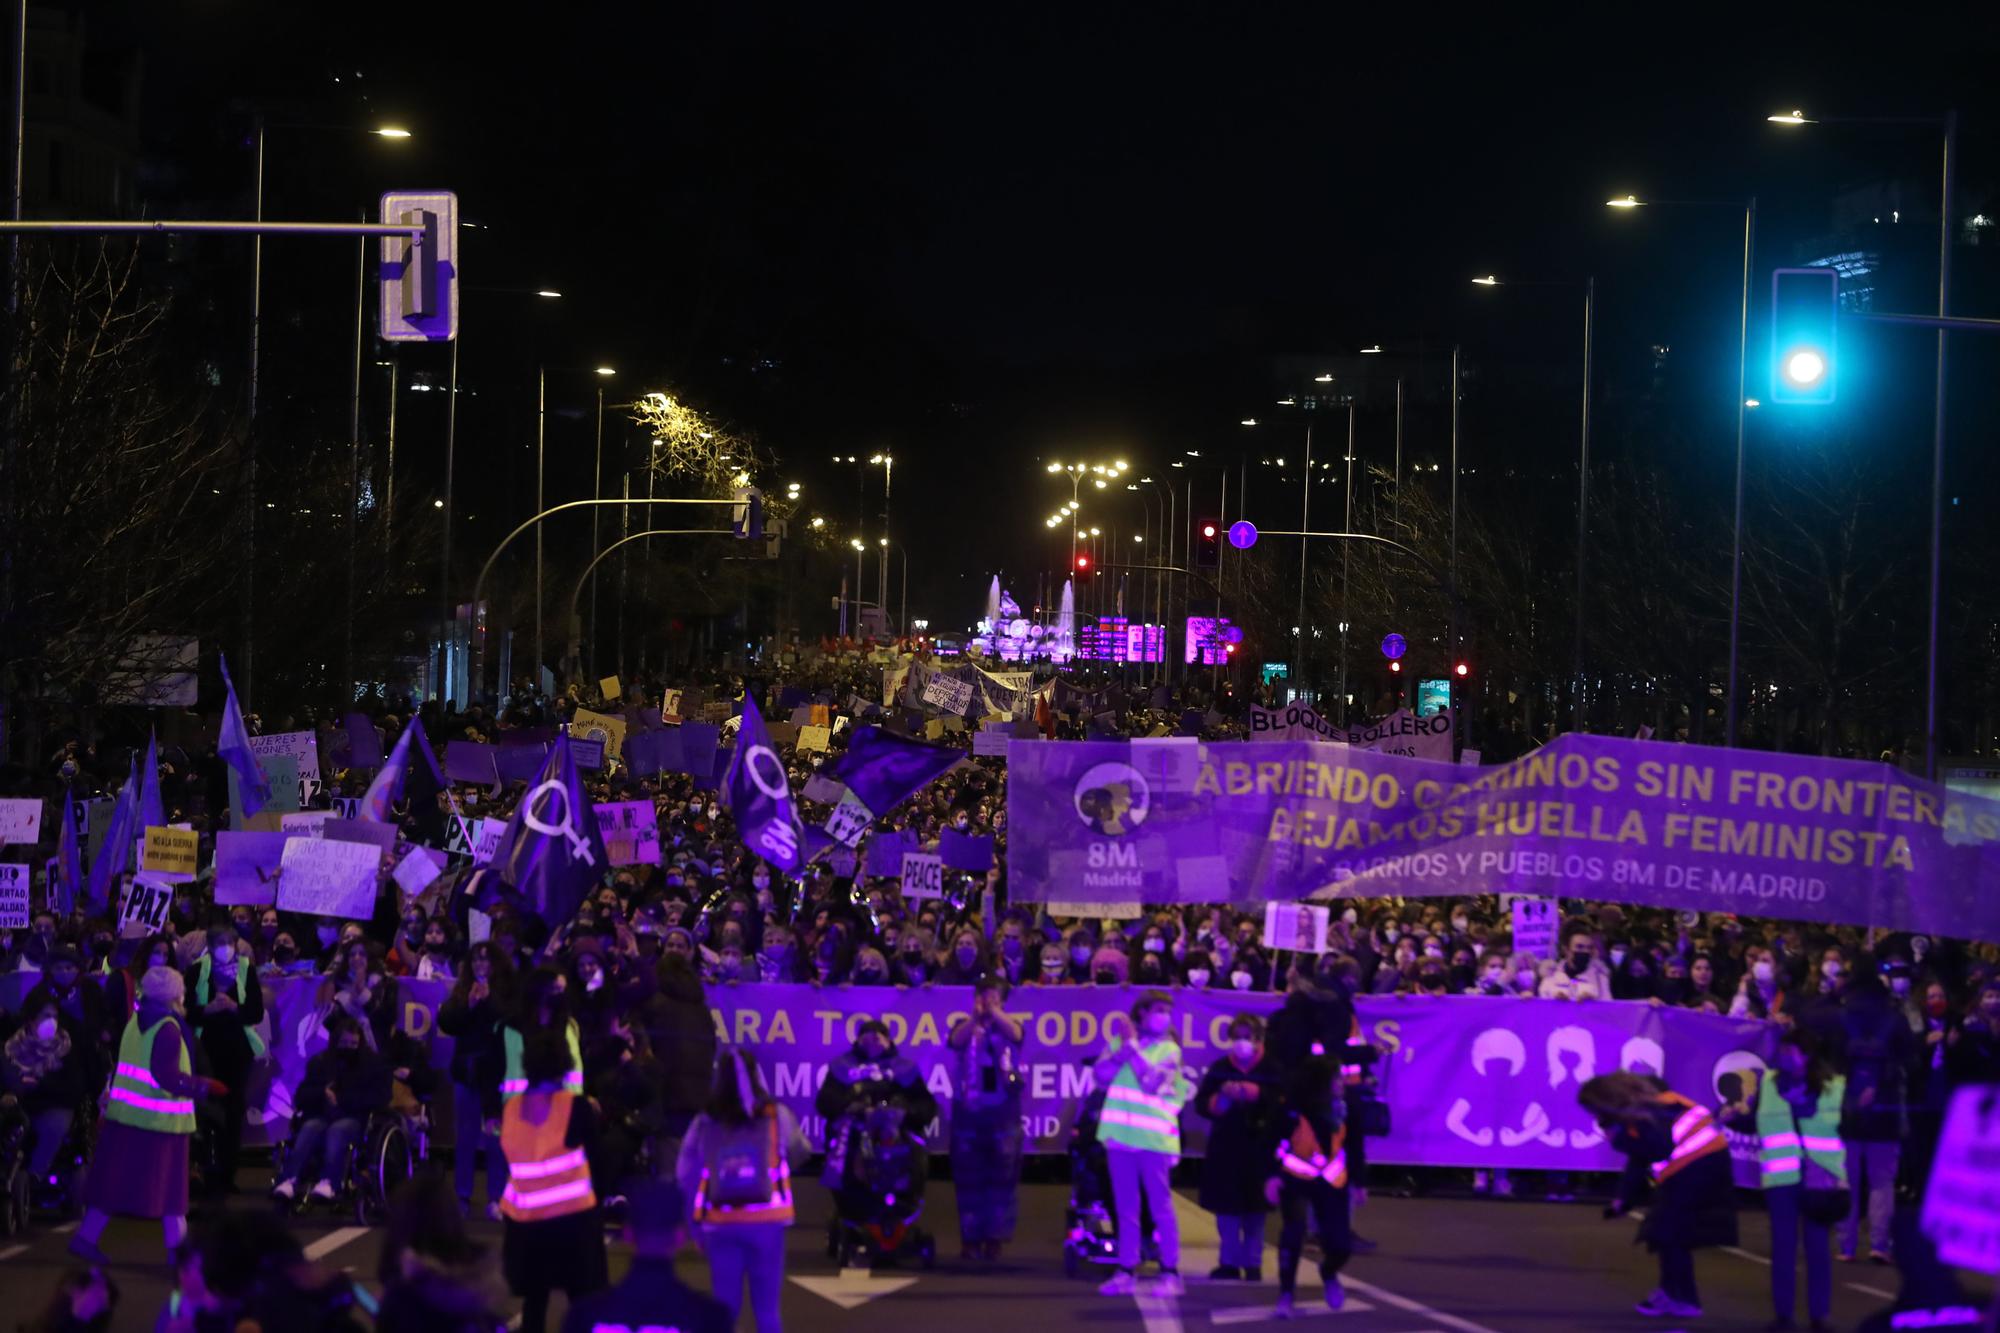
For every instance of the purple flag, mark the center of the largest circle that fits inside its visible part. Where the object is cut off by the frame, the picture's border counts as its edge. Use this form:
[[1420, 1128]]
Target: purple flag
[[760, 795], [884, 770], [364, 743], [69, 858], [966, 851], [152, 811], [378, 803], [233, 745], [115, 857], [697, 751], [551, 851]]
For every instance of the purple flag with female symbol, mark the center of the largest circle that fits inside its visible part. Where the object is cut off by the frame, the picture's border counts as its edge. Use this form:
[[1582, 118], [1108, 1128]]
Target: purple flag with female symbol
[[760, 795], [551, 852], [884, 770]]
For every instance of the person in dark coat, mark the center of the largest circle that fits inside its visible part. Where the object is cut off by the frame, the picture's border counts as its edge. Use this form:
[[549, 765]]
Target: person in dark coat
[[343, 1085], [682, 1037], [1242, 1095], [226, 1002], [1682, 1149], [473, 1017], [1883, 1060], [652, 1293]]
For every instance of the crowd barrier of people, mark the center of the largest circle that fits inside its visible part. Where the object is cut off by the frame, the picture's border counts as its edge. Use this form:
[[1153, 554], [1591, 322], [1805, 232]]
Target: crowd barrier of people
[[585, 1053]]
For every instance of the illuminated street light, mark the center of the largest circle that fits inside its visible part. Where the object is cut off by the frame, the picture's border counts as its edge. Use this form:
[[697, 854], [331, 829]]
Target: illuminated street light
[[551, 294], [392, 132], [855, 542], [1488, 281], [1322, 379], [1372, 351], [1792, 117], [1626, 201], [818, 523], [1249, 421]]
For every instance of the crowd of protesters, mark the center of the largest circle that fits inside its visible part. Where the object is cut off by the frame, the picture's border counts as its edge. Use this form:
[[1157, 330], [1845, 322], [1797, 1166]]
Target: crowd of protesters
[[604, 1020]]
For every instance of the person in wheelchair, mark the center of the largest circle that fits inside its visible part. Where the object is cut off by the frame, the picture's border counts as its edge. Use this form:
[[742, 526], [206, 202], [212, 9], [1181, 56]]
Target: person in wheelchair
[[871, 1074], [343, 1085], [44, 1070]]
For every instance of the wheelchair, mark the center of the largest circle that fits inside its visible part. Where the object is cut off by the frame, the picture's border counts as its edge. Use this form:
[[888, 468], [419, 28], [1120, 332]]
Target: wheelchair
[[22, 1197], [392, 1146]]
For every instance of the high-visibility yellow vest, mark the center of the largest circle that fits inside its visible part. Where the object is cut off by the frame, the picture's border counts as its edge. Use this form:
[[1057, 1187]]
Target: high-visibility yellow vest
[[1783, 1147], [243, 979], [1302, 1158], [514, 1082], [136, 1097], [1696, 1135], [1140, 1120], [545, 1177]]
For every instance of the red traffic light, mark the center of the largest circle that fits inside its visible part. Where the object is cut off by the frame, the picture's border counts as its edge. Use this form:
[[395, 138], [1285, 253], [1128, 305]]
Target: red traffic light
[[1396, 668], [1083, 562], [1462, 670], [1208, 529]]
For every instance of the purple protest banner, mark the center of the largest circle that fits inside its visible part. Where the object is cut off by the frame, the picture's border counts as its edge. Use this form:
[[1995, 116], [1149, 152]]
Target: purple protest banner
[[470, 761], [1469, 1081], [1628, 821], [1480, 1082]]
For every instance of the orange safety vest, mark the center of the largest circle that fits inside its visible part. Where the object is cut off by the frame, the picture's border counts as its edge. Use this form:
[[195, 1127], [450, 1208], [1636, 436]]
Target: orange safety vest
[[546, 1178], [1696, 1135], [776, 1208], [1302, 1158]]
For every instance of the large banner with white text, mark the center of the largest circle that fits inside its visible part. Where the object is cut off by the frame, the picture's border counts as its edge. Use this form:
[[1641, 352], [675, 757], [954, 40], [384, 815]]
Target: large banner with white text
[[1628, 821]]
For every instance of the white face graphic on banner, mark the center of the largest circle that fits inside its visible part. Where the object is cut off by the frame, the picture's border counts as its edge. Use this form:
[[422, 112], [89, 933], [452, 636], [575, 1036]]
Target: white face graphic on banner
[[1571, 1055]]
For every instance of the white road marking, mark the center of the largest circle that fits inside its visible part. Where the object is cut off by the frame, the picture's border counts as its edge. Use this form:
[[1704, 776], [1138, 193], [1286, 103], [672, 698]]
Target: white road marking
[[65, 1228], [1742, 1253], [853, 1287], [11, 1251], [333, 1240], [1257, 1314], [1867, 1290], [1409, 1306]]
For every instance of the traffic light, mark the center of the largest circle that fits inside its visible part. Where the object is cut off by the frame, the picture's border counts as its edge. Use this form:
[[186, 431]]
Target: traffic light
[[746, 518], [1083, 564], [1462, 670], [1804, 324], [1207, 543], [1395, 668]]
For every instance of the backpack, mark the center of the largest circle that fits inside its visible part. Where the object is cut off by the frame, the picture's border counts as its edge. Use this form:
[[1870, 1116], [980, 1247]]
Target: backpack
[[741, 1162]]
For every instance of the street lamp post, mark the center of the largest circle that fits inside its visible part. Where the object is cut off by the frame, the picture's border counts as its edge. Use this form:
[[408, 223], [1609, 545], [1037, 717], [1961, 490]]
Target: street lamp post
[[1589, 285], [1749, 207], [246, 669], [541, 441], [1948, 125]]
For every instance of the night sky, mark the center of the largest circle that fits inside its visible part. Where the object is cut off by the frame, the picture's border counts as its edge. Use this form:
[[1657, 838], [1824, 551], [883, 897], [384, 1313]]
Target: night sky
[[983, 237]]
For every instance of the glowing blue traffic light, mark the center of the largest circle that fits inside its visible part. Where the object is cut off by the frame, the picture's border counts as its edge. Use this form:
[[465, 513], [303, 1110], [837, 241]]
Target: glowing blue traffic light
[[1804, 334]]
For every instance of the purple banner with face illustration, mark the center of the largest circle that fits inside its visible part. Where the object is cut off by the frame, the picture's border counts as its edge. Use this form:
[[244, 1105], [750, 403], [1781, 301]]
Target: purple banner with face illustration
[[1483, 1082], [1628, 821]]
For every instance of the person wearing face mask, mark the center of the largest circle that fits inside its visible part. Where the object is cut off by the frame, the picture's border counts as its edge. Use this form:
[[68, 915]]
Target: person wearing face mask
[[1795, 1113], [1140, 1130], [1633, 976], [544, 1007], [1681, 1150], [1309, 1181], [1580, 975], [1109, 967], [1080, 949], [1241, 1094], [1883, 1060], [987, 1140], [1761, 993], [1052, 968], [343, 1085], [681, 1034], [43, 1066], [870, 967], [472, 1016], [227, 1002], [1199, 970], [140, 1167], [81, 1008], [966, 962], [913, 960], [1973, 1047], [1525, 975], [1492, 979]]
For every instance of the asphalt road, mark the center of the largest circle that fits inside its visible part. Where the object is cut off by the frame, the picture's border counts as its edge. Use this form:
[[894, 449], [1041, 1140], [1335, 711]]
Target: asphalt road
[[1456, 1265]]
